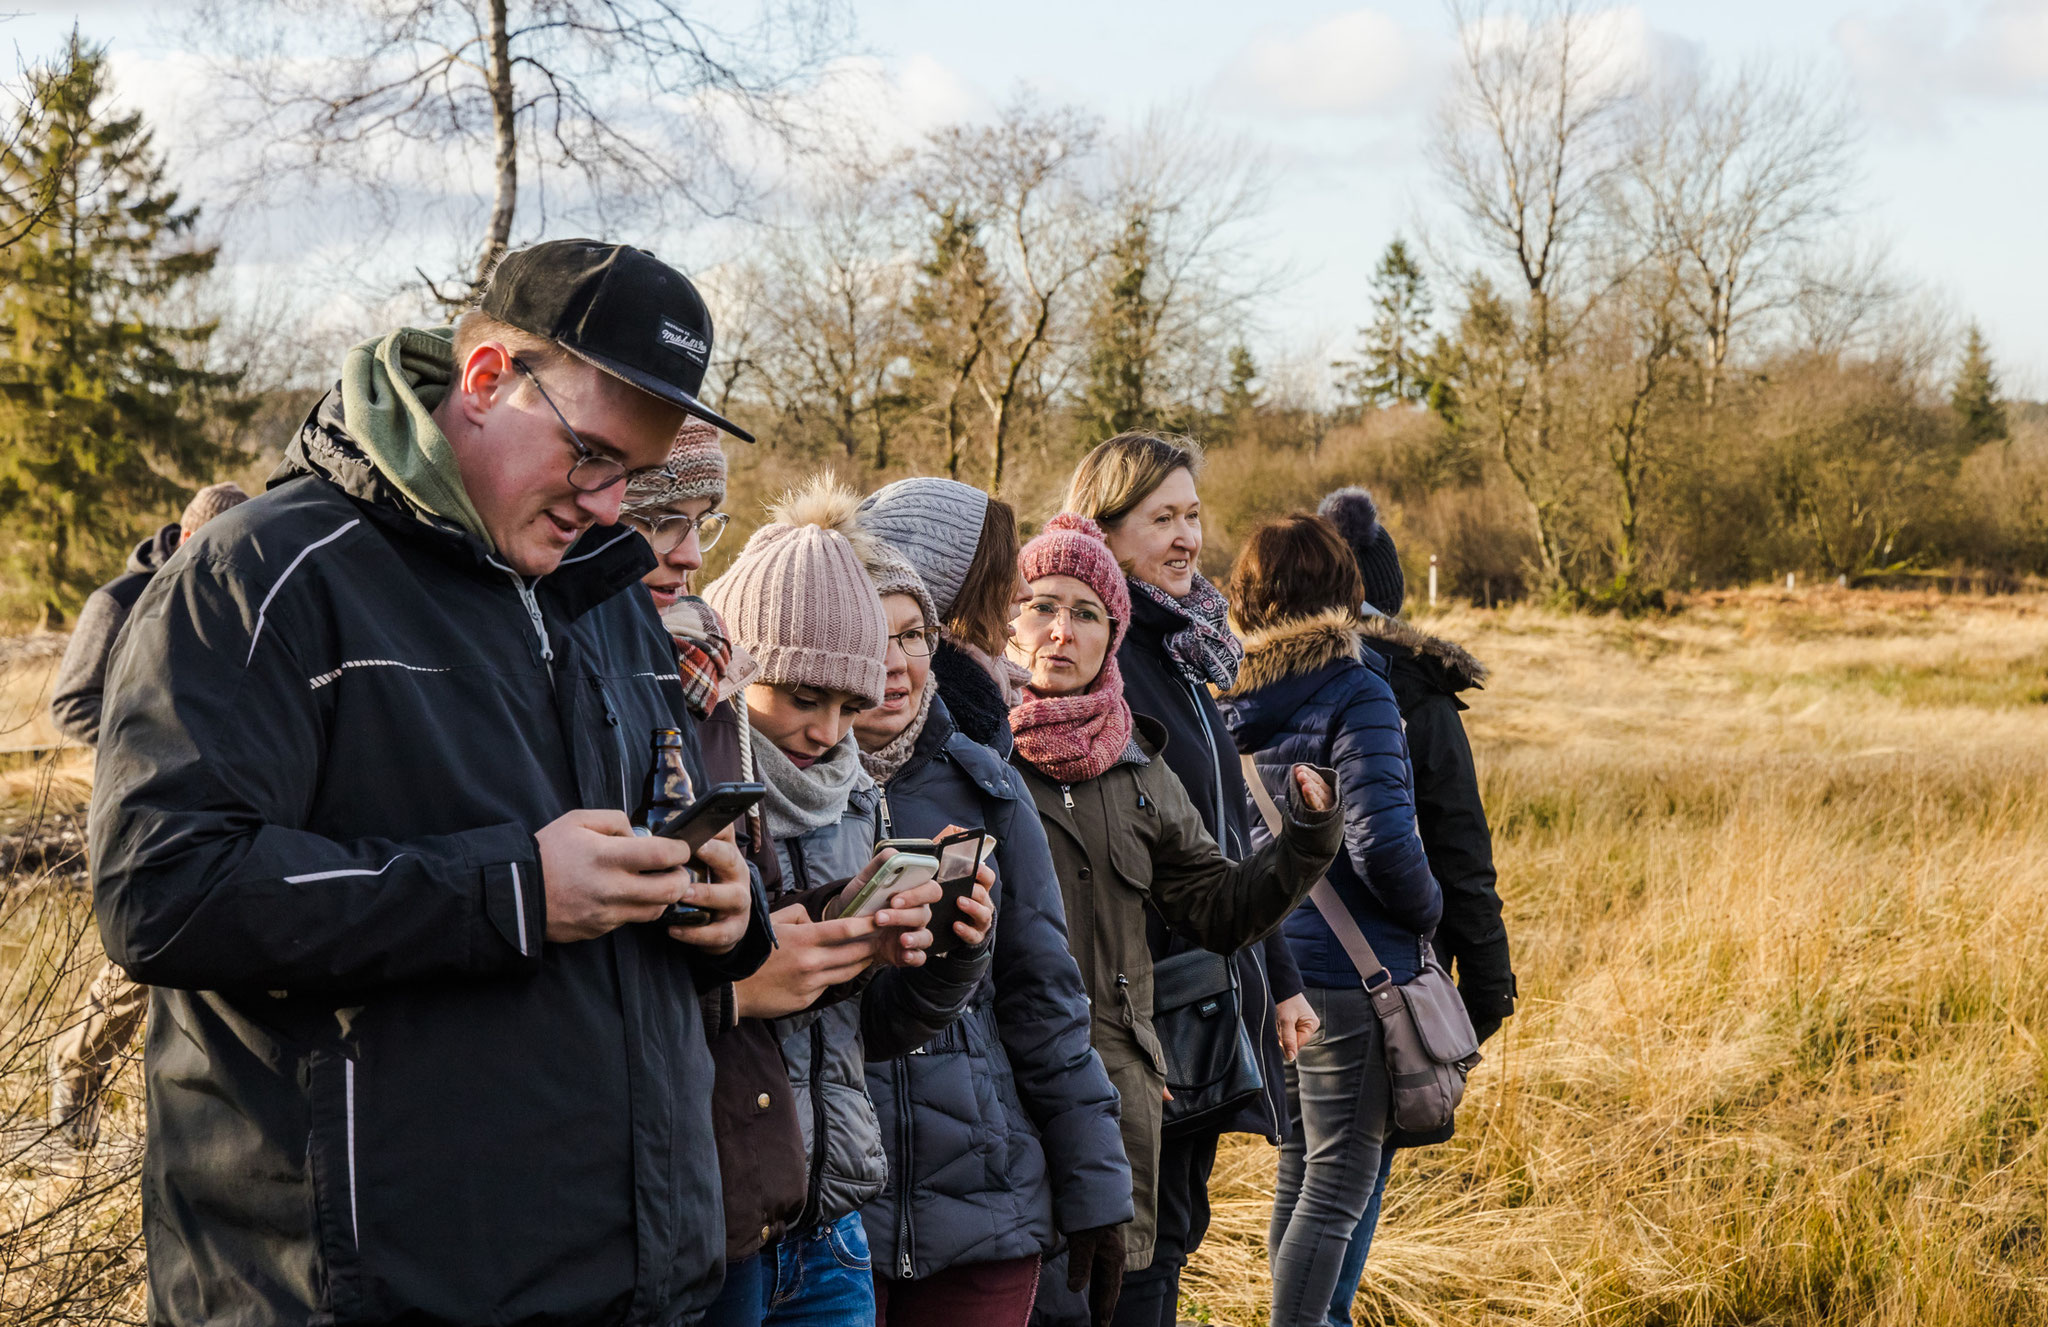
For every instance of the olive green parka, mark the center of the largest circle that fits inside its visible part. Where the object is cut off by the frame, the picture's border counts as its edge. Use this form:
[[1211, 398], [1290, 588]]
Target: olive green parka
[[1131, 835]]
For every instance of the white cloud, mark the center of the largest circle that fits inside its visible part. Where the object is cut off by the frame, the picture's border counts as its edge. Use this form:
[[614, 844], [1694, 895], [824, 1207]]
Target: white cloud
[[1364, 62], [1915, 64], [1618, 49]]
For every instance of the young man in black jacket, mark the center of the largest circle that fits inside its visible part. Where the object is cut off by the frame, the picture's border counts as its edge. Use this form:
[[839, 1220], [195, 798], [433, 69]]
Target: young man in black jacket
[[420, 1049]]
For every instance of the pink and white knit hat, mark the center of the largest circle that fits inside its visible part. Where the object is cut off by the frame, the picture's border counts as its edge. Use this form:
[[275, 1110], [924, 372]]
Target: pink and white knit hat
[[1072, 545], [695, 469]]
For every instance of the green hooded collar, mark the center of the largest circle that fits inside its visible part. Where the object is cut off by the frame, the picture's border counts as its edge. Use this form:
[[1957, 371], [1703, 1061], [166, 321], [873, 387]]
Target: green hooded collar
[[389, 388]]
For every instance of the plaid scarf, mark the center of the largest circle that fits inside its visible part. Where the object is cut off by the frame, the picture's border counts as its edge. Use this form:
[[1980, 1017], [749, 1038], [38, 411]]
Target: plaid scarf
[[1204, 648], [705, 660]]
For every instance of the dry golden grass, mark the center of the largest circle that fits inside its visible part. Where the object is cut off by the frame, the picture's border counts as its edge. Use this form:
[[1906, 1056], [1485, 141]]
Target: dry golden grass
[[1777, 879]]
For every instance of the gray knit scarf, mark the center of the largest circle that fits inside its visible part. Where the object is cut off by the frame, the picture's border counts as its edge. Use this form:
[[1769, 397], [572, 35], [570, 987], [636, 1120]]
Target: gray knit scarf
[[801, 800], [882, 764]]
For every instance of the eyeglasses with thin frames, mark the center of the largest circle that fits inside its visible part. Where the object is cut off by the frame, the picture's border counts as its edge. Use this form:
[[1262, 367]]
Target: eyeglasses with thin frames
[[666, 531], [593, 471], [1047, 613]]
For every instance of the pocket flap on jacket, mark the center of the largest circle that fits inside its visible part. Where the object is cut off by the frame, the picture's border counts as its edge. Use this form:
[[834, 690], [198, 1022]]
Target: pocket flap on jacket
[[1179, 980]]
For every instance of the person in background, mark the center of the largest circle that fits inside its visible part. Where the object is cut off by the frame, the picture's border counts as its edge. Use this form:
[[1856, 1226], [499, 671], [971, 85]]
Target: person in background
[[799, 602], [420, 1048], [1002, 1133], [963, 545], [1140, 488], [84, 1052], [1309, 691], [1427, 675], [1124, 835], [76, 692]]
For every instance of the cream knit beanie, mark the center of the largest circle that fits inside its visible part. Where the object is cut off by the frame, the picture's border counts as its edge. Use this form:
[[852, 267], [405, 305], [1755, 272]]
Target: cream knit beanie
[[799, 601]]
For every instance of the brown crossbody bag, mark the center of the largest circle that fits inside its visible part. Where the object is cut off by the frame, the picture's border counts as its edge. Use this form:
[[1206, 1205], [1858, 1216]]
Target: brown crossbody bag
[[1430, 1044]]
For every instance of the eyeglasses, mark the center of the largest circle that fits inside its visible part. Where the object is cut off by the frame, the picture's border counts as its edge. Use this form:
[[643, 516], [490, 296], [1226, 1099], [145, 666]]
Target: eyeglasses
[[1043, 613], [593, 471], [666, 532], [917, 642]]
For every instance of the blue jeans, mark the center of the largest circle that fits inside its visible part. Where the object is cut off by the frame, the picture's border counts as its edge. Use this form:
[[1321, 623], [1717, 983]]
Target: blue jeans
[[1361, 1244], [739, 1300], [820, 1278]]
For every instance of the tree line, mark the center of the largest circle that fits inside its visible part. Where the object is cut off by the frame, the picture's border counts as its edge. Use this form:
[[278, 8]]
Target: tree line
[[1631, 350]]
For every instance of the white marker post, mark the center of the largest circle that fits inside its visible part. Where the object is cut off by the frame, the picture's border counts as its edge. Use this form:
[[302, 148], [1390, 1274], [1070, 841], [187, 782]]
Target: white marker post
[[1432, 580]]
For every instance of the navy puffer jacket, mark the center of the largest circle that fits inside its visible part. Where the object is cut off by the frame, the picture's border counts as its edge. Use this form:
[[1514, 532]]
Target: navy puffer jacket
[[1310, 693], [1003, 1128]]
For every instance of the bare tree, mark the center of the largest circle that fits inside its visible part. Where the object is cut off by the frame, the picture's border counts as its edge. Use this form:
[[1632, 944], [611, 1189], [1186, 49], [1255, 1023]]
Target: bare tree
[[833, 308], [30, 187], [632, 101], [1736, 182], [1525, 144], [1021, 179]]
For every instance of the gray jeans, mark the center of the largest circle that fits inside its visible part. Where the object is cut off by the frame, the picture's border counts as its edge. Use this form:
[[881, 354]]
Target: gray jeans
[[1338, 1096]]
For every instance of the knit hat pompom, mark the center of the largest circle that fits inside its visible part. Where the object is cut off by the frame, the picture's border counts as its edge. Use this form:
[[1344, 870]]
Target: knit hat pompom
[[799, 600], [695, 469], [1072, 545], [1357, 518]]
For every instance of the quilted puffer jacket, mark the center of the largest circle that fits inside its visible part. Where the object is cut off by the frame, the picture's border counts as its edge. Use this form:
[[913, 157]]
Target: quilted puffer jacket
[[1002, 1130], [1310, 693]]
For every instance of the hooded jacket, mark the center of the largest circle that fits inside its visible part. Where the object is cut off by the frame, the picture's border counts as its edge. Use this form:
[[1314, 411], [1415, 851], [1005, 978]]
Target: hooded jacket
[[1002, 1131], [376, 1093], [75, 694], [1129, 841], [1427, 675], [1309, 693], [1199, 752]]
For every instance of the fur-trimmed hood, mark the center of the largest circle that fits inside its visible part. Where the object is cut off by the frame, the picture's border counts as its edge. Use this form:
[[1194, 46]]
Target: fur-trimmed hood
[[1447, 664], [1296, 647]]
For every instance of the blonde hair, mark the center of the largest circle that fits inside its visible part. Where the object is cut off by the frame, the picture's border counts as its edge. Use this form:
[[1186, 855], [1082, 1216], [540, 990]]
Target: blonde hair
[[1121, 473]]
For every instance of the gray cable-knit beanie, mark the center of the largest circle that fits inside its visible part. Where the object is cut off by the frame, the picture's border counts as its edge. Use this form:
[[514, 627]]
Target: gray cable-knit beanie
[[936, 523], [799, 601], [1357, 518]]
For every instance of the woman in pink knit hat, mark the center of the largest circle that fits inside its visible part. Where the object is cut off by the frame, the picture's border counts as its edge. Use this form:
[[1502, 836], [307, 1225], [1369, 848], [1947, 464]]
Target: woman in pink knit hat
[[1124, 834], [798, 601]]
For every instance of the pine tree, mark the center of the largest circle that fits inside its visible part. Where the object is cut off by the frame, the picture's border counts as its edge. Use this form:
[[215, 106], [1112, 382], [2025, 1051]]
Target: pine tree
[[1391, 350], [98, 385], [957, 308], [1240, 398], [1980, 413], [1119, 391]]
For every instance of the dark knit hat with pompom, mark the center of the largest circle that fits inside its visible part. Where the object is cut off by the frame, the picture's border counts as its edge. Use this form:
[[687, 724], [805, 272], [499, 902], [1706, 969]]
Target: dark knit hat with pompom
[[1357, 518]]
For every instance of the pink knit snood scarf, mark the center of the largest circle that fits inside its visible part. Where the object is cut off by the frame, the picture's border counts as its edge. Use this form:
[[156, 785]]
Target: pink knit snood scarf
[[1075, 738]]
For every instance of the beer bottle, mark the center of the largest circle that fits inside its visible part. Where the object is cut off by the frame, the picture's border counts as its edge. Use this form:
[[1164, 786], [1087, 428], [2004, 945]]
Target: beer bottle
[[669, 791]]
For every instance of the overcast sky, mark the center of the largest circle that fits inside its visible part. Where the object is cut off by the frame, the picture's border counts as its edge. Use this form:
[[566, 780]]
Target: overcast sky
[[1953, 102]]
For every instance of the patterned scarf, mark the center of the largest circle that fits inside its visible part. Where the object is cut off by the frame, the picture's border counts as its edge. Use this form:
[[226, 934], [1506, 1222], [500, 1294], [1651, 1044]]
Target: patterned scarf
[[882, 764], [1076, 738], [1204, 648], [705, 658]]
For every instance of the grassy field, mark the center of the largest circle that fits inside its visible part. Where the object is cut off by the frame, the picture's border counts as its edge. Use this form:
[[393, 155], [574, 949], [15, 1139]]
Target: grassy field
[[1777, 877]]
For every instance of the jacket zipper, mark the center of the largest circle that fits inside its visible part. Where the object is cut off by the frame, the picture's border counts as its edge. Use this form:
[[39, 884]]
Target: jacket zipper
[[906, 1266], [540, 626], [1067, 795], [882, 818], [1216, 760]]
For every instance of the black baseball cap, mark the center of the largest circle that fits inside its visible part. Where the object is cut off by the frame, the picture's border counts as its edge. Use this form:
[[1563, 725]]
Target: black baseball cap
[[614, 306]]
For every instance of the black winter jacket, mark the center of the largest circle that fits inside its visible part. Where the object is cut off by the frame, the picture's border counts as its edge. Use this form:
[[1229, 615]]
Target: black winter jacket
[[375, 1093], [1003, 1129], [81, 681], [1427, 674], [1309, 693], [1200, 753]]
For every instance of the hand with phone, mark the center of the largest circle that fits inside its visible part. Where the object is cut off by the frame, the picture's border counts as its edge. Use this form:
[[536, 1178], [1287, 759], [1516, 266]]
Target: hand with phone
[[809, 958], [934, 892], [598, 876]]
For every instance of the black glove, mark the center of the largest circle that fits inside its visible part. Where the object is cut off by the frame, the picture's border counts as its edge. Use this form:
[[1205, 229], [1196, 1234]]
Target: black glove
[[1095, 1259]]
